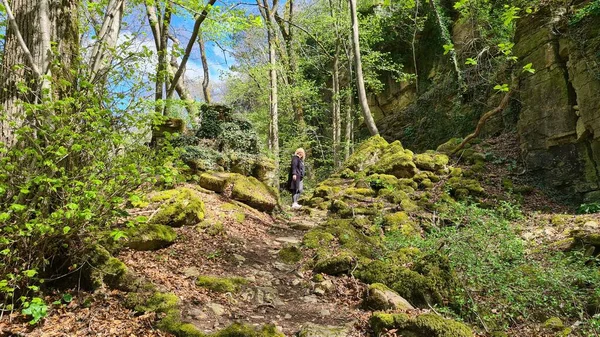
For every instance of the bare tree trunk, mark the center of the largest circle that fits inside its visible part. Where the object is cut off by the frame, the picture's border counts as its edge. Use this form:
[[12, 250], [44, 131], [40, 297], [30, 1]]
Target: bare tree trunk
[[349, 108], [412, 45], [35, 27], [362, 95], [183, 92], [206, 79], [268, 13], [335, 100]]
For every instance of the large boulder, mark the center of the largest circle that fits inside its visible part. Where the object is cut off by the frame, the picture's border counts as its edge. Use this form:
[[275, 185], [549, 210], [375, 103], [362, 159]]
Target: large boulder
[[248, 190], [380, 297], [150, 237], [179, 207]]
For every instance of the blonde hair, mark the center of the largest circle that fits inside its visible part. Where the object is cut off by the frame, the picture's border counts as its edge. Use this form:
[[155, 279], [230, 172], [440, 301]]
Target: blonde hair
[[300, 153]]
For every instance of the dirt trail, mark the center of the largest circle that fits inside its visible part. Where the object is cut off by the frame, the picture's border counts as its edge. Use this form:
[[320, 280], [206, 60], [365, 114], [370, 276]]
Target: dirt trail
[[247, 246]]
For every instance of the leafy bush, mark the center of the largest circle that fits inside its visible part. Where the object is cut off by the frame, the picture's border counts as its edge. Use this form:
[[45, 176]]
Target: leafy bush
[[63, 185], [589, 208]]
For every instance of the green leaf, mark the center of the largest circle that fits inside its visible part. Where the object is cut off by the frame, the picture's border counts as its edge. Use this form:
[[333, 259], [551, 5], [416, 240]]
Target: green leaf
[[471, 61], [528, 68], [67, 298], [448, 48], [502, 88], [117, 235], [66, 230], [30, 273], [17, 208]]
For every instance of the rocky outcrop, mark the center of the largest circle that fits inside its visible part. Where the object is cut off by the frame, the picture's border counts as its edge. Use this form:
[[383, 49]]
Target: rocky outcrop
[[248, 190], [559, 124]]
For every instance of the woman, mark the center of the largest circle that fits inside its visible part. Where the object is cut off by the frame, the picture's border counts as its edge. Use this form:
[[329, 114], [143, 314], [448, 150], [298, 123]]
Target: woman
[[295, 176]]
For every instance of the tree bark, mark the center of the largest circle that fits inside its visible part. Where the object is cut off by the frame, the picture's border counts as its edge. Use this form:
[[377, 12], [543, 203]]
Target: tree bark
[[336, 107], [206, 79], [107, 40], [349, 107], [360, 82], [34, 27]]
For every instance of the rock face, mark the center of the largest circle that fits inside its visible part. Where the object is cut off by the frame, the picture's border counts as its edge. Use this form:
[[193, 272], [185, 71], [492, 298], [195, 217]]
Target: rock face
[[559, 123]]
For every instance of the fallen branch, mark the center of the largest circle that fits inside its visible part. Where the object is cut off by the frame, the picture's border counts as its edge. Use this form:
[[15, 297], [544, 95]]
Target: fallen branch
[[489, 114]]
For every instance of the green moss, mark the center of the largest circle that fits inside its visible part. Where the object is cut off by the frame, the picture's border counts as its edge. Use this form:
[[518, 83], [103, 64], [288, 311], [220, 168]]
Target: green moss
[[461, 188], [150, 237], [254, 193], [347, 174], [221, 284], [456, 172], [323, 191], [559, 220], [318, 278], [317, 238], [449, 146], [367, 192], [338, 206], [367, 154], [382, 181], [335, 265], [400, 221], [291, 254], [181, 207], [157, 302], [399, 164], [554, 323], [437, 326], [215, 229], [409, 206], [213, 181], [424, 325], [105, 270], [431, 161]]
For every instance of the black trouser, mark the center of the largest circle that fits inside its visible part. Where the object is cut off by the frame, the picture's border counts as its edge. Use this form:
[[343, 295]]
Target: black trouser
[[296, 192]]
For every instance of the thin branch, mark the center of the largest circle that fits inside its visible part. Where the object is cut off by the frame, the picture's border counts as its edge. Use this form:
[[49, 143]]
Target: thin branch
[[188, 49]]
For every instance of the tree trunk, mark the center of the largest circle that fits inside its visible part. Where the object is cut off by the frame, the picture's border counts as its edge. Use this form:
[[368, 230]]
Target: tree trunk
[[28, 57], [206, 79], [349, 108], [107, 41], [362, 95], [335, 102]]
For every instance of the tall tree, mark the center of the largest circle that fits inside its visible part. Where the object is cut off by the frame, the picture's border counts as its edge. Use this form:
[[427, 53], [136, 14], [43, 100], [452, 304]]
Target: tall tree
[[206, 72], [268, 12], [360, 81], [41, 47]]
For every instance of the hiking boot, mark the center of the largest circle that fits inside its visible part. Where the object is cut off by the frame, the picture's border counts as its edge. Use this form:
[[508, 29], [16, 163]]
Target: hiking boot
[[296, 206]]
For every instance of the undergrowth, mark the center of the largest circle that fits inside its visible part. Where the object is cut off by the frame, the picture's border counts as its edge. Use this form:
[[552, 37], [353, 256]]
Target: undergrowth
[[504, 280]]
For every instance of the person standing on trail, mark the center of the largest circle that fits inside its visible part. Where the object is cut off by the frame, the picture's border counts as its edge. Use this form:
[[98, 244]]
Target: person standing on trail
[[295, 176]]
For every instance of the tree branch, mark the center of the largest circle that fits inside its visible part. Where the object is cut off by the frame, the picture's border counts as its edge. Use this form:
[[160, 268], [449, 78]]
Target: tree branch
[[188, 49]]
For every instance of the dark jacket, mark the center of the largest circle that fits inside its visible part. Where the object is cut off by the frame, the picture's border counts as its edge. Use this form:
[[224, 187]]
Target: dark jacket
[[296, 168]]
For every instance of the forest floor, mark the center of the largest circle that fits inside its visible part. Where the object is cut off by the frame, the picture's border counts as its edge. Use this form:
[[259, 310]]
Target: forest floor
[[236, 240]]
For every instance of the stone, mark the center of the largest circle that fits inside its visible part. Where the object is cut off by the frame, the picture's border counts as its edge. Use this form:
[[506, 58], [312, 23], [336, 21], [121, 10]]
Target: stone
[[291, 240], [315, 330], [380, 297], [335, 265], [191, 272], [216, 308], [319, 291], [424, 325], [310, 299], [325, 312], [150, 237], [178, 207], [240, 259]]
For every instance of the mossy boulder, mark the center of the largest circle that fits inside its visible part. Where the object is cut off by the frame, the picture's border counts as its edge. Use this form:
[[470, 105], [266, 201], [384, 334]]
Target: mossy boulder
[[264, 169], [461, 188], [179, 207], [317, 238], [429, 281], [254, 193], [400, 221], [105, 270], [290, 254], [366, 192], [382, 181], [424, 325], [221, 284], [431, 161], [399, 164], [214, 181], [367, 154], [380, 297], [335, 265], [150, 237]]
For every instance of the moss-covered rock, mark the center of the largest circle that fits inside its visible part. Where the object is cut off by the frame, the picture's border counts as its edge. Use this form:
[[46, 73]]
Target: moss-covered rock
[[214, 181], [367, 192], [449, 146], [424, 325], [382, 181], [180, 207], [314, 330], [105, 270], [335, 265], [380, 297], [400, 221], [221, 284], [431, 161], [254, 193], [150, 237], [367, 154], [317, 238], [461, 188], [399, 164], [290, 254]]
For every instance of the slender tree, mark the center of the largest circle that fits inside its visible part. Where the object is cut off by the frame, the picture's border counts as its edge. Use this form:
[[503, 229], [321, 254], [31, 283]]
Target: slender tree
[[360, 82]]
